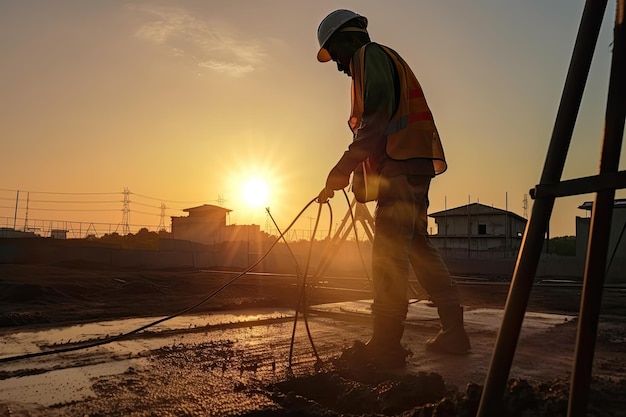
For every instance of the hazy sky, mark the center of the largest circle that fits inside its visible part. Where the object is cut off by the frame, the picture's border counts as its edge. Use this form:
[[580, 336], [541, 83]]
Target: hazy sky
[[184, 101]]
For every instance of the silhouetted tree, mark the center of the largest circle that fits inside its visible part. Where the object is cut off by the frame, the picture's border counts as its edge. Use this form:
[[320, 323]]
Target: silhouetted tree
[[563, 245]]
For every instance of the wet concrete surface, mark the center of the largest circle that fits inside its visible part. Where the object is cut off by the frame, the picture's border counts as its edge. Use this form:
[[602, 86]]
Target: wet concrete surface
[[237, 363], [234, 357]]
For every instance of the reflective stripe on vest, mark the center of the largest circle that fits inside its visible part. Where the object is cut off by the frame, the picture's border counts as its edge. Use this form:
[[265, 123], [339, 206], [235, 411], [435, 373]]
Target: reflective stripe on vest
[[402, 123]]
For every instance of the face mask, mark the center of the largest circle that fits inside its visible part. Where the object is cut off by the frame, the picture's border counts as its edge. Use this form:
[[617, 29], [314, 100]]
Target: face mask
[[340, 55], [343, 69]]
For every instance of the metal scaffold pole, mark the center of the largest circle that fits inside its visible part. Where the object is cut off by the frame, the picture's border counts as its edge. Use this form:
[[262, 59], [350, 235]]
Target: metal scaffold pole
[[545, 194], [598, 245]]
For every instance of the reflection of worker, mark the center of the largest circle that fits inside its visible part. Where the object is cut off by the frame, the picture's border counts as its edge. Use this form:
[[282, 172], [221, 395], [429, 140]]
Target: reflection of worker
[[395, 136]]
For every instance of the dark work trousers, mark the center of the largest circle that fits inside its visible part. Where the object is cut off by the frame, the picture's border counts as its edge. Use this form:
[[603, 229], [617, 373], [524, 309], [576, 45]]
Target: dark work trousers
[[400, 239]]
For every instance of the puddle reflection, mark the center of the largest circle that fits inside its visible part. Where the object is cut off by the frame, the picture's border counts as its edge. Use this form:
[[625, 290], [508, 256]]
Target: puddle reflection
[[61, 386]]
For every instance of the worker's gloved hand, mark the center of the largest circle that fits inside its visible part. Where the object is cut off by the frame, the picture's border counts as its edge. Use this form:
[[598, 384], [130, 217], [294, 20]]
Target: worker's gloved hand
[[324, 195], [336, 180]]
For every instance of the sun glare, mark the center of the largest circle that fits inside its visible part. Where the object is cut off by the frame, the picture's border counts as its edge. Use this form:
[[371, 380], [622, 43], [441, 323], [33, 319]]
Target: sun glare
[[255, 192]]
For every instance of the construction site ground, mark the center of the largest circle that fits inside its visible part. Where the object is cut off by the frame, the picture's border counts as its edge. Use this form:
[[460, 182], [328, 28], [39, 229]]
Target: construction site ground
[[237, 354]]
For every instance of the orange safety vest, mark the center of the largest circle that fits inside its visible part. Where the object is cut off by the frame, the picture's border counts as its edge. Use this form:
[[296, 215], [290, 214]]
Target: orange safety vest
[[411, 132]]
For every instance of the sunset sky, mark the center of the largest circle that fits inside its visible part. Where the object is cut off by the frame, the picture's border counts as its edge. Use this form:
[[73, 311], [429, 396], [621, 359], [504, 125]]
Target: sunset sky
[[183, 102]]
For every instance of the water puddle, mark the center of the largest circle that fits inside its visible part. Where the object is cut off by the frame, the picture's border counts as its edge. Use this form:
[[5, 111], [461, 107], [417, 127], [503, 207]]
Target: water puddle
[[33, 341], [484, 319], [489, 318], [61, 386], [66, 377]]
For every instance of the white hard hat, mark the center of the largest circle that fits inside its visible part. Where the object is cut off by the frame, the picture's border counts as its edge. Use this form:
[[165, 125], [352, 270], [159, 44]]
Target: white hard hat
[[329, 25]]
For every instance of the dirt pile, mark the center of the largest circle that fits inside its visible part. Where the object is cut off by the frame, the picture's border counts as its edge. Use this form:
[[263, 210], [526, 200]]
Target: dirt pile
[[341, 389], [350, 389], [425, 395]]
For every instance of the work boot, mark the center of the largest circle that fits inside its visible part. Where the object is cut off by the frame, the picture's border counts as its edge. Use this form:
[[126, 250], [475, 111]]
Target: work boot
[[384, 350], [452, 337]]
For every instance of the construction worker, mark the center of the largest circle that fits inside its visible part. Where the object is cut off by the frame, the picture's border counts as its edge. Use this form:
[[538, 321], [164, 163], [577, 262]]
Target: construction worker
[[395, 144]]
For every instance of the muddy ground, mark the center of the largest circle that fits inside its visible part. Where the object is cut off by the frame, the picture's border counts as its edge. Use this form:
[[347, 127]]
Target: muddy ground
[[246, 370]]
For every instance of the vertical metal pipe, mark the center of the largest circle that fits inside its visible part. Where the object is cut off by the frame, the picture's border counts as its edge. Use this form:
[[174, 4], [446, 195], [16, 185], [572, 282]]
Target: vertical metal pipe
[[469, 229], [507, 232], [445, 218], [600, 229], [530, 251], [17, 199]]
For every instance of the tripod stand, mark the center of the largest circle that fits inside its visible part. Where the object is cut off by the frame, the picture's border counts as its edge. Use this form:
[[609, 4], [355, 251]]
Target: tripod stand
[[359, 212]]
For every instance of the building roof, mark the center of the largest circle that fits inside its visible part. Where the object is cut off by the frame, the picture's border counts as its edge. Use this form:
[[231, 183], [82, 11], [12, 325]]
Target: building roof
[[618, 203], [474, 209], [206, 208]]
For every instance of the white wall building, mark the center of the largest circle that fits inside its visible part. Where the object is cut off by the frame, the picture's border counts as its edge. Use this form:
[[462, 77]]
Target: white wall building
[[478, 228]]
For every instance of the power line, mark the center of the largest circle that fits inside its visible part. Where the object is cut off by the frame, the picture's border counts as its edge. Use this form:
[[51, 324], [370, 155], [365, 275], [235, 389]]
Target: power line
[[42, 204], [143, 212], [58, 209], [59, 193], [98, 193], [73, 201], [170, 201], [143, 204]]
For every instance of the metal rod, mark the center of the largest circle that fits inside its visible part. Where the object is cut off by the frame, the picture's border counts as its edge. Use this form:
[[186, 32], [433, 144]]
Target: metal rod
[[583, 185], [17, 199], [530, 251], [600, 229]]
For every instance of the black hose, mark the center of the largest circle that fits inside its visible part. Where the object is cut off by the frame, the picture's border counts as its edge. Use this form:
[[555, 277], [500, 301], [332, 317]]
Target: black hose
[[301, 298]]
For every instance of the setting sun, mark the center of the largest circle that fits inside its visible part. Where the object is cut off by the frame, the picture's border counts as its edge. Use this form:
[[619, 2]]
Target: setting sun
[[255, 192]]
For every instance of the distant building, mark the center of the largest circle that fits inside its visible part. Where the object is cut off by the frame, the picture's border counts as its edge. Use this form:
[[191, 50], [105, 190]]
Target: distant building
[[478, 228], [207, 224], [616, 259], [58, 234], [9, 232]]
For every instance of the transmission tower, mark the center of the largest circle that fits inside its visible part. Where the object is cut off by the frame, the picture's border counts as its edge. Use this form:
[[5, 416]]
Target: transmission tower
[[162, 221], [525, 206], [268, 224], [220, 202], [126, 212]]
